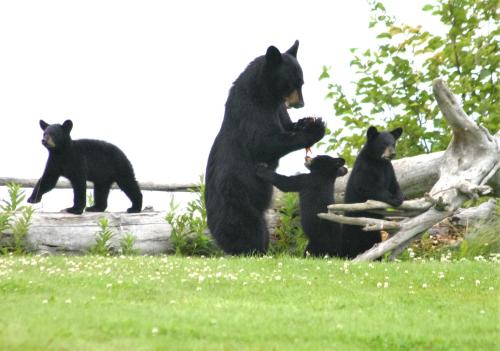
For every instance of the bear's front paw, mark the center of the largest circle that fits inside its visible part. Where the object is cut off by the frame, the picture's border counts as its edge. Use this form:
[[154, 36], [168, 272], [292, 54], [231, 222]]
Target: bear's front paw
[[395, 202], [303, 123], [314, 130]]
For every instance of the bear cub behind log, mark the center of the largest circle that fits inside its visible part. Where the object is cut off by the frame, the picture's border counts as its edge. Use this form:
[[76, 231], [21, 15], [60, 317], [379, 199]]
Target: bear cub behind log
[[316, 192], [372, 178], [80, 160]]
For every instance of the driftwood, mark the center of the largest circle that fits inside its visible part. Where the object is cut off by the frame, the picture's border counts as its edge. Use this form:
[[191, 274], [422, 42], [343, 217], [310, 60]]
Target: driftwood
[[65, 184], [464, 217], [369, 224], [76, 234], [470, 162]]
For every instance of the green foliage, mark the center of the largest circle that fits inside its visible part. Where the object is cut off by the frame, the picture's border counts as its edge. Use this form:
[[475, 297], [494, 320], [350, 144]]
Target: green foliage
[[16, 219], [189, 235], [482, 241], [103, 238], [90, 199], [127, 245], [289, 238], [393, 84]]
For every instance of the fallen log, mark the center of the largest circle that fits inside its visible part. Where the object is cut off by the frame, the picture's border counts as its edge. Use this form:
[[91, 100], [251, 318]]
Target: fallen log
[[57, 232], [65, 184]]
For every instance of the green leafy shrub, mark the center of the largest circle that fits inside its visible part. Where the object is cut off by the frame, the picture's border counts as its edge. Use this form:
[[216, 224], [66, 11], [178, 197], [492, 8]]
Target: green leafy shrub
[[189, 235], [288, 238], [127, 245], [16, 219], [103, 238]]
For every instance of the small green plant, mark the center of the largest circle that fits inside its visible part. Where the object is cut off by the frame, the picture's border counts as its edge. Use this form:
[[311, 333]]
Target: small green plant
[[103, 238], [90, 199], [288, 238], [16, 219], [189, 235], [127, 245]]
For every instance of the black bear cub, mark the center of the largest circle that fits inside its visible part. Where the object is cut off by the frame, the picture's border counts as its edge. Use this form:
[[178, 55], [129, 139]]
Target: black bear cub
[[316, 191], [80, 160], [372, 178]]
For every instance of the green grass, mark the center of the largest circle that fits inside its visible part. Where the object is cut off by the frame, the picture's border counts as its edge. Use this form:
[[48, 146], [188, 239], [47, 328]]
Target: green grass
[[173, 303]]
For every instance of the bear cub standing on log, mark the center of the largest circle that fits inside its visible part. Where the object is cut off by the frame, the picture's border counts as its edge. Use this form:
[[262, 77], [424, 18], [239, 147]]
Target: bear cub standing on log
[[80, 160], [372, 178], [316, 191]]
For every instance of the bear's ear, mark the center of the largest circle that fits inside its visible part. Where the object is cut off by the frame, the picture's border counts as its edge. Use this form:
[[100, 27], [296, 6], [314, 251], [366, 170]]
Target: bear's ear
[[396, 133], [43, 124], [273, 56], [293, 50], [372, 133], [67, 125]]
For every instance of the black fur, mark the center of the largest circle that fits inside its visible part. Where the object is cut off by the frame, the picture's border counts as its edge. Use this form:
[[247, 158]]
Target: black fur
[[316, 191], [256, 128], [372, 178], [80, 160]]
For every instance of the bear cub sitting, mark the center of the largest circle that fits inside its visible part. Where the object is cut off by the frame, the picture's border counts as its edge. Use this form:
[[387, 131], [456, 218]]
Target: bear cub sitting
[[80, 160], [316, 191], [372, 178]]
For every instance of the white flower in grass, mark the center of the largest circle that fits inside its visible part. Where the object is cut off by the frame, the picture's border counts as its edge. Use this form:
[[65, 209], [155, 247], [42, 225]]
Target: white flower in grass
[[477, 282], [379, 285], [45, 301], [155, 331], [386, 284], [68, 301], [109, 285], [425, 286]]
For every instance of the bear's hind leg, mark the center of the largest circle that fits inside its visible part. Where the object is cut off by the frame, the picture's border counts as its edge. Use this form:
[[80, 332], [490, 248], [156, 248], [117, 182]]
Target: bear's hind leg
[[131, 188], [101, 193], [241, 233]]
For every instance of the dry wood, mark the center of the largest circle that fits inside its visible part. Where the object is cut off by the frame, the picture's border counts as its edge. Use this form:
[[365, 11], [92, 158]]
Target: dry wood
[[369, 224], [471, 160], [64, 184], [75, 234], [370, 205], [466, 216]]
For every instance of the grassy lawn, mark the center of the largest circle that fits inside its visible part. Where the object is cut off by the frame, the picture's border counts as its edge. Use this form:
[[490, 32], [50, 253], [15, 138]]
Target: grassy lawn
[[173, 303]]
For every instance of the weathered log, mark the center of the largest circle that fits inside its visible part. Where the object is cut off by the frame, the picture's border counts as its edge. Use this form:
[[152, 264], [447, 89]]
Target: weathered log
[[407, 208], [466, 216], [65, 184], [369, 224], [75, 234], [471, 160]]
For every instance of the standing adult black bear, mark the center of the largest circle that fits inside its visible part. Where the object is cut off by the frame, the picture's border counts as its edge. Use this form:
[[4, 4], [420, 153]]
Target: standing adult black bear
[[316, 191], [256, 128], [372, 178], [80, 160]]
